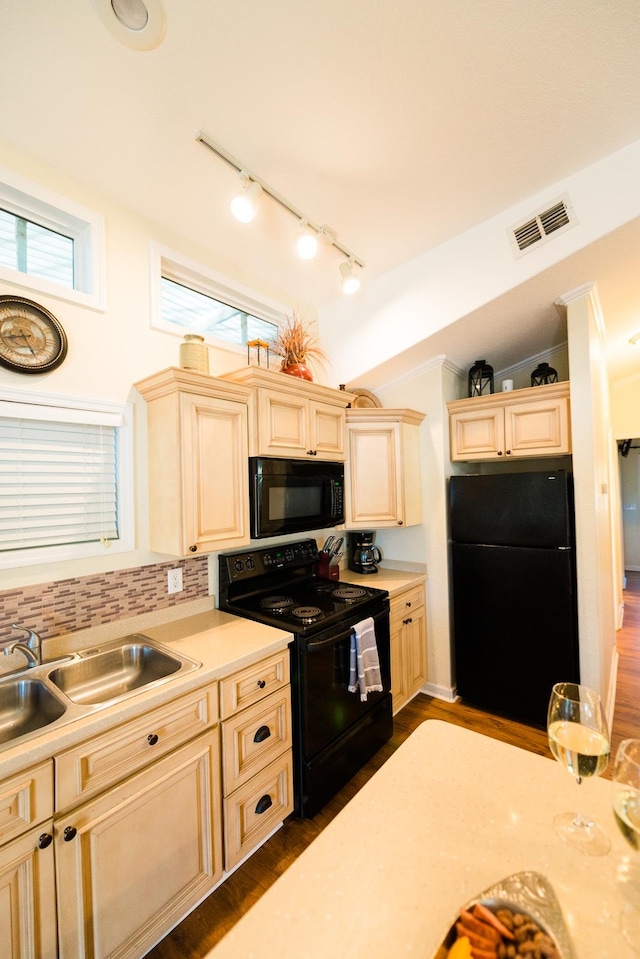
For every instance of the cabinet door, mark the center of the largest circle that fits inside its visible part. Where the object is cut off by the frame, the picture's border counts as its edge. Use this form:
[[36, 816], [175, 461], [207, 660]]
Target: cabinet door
[[408, 645], [28, 896], [414, 650], [282, 424], [477, 434], [374, 470], [136, 860], [215, 481], [327, 431], [538, 427]]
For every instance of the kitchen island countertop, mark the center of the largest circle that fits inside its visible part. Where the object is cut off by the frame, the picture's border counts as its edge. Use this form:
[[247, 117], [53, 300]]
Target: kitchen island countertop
[[451, 813]]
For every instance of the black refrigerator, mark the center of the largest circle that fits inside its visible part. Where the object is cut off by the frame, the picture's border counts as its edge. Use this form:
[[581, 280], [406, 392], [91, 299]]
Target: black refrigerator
[[515, 625]]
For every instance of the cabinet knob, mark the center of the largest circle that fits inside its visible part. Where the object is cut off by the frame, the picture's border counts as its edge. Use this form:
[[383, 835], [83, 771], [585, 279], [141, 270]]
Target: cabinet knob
[[45, 840], [262, 683], [193, 549], [399, 522], [152, 739], [264, 803], [69, 833], [407, 621], [508, 452], [408, 604], [261, 734], [312, 452], [499, 452]]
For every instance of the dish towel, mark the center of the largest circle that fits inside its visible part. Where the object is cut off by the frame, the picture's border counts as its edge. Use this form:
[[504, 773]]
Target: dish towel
[[364, 663]]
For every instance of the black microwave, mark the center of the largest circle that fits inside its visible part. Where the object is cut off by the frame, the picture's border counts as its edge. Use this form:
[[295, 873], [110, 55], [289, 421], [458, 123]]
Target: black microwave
[[294, 496]]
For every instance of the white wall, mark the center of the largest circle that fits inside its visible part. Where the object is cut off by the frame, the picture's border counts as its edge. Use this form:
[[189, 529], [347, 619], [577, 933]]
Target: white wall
[[595, 479], [110, 350], [425, 295]]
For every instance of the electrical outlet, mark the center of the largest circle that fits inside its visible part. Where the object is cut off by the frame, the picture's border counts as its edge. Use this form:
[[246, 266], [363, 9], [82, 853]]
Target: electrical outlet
[[174, 580]]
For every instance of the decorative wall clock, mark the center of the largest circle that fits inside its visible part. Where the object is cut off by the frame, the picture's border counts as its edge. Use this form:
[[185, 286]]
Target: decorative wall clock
[[31, 339]]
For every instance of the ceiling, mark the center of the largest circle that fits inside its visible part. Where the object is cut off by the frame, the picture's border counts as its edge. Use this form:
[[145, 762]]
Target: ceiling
[[397, 124]]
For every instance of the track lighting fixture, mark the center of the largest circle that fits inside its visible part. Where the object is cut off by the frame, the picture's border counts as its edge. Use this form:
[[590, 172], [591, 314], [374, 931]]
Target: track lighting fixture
[[243, 206], [307, 242], [350, 282]]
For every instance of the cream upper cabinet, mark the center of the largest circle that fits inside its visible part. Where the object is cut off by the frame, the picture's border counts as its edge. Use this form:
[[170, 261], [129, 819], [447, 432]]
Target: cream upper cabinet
[[382, 471], [408, 628], [198, 482], [530, 422], [290, 417]]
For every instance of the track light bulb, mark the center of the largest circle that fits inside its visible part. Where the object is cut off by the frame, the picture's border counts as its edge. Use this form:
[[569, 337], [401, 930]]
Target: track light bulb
[[244, 204], [350, 282], [307, 242]]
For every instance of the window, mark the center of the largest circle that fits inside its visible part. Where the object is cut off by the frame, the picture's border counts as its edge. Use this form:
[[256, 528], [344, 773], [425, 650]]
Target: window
[[191, 298], [49, 244], [65, 483]]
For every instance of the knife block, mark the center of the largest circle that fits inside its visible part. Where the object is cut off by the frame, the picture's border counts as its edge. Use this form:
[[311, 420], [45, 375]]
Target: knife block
[[325, 571]]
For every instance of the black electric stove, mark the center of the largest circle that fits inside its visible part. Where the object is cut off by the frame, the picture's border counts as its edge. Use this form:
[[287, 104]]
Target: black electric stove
[[335, 732]]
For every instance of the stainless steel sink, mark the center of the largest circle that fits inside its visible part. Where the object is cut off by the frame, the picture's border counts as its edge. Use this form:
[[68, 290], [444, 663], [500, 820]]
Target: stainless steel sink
[[26, 705], [105, 676]]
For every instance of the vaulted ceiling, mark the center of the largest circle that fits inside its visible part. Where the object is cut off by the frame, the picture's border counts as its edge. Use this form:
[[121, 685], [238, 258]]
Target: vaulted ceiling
[[398, 124]]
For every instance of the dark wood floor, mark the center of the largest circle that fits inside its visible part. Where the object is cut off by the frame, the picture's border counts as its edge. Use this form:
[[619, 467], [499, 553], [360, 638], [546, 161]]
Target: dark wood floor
[[200, 931]]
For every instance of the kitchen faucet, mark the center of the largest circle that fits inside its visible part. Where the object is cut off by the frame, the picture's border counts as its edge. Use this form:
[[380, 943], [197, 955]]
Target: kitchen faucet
[[31, 647]]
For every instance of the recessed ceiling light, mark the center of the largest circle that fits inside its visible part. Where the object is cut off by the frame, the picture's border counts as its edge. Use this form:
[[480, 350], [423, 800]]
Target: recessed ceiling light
[[139, 24]]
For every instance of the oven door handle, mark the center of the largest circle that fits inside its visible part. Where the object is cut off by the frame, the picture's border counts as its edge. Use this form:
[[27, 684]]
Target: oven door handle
[[330, 641]]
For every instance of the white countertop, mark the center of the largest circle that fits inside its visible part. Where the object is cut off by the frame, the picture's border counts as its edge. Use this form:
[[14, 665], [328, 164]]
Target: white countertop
[[221, 643], [448, 815]]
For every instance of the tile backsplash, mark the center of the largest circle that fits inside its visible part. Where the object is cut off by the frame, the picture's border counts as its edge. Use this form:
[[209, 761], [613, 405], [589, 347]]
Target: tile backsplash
[[69, 605]]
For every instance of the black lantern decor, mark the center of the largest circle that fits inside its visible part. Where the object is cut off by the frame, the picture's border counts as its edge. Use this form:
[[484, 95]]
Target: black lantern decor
[[480, 378], [544, 374]]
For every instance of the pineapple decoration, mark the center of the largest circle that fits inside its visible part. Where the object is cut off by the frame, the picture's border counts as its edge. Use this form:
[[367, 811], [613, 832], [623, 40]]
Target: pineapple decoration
[[296, 344]]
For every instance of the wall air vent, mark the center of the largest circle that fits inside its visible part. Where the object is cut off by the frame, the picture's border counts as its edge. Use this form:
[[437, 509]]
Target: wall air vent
[[542, 226]]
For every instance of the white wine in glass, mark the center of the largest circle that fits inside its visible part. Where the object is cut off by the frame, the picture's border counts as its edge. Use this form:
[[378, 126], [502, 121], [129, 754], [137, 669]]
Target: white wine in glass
[[626, 809], [579, 739]]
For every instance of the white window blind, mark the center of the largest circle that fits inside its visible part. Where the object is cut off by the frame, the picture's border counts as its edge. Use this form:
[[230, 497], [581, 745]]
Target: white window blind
[[58, 477]]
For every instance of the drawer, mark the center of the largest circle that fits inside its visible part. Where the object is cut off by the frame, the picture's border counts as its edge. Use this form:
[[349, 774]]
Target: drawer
[[253, 683], [106, 759], [408, 601], [254, 738], [25, 800], [256, 808]]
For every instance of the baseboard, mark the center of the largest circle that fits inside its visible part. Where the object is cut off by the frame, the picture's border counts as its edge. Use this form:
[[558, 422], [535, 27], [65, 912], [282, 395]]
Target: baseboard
[[446, 693]]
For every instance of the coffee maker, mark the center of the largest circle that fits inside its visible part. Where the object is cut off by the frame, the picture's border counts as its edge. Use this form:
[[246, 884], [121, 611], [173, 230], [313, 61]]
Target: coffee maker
[[363, 555]]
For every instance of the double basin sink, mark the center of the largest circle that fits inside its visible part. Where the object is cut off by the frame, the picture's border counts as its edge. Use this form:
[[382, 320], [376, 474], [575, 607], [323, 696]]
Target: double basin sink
[[79, 684]]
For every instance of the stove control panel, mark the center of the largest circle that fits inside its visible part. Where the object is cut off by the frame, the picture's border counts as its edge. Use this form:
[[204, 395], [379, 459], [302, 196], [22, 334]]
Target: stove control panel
[[247, 565]]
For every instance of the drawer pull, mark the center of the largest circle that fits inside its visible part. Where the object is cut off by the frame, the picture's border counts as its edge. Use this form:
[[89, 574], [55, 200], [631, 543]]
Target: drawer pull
[[262, 683], [407, 621], [264, 803], [261, 734], [69, 833], [45, 840], [152, 739], [407, 604]]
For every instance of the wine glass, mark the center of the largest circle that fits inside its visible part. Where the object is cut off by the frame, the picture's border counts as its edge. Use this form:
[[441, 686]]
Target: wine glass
[[579, 739], [626, 808]]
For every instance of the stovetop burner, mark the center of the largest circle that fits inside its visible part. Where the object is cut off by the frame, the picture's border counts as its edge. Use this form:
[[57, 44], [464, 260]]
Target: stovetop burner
[[349, 594], [306, 614], [276, 604]]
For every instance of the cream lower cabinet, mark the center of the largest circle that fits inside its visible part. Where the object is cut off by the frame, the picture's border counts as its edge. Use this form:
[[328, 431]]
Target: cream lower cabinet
[[408, 626], [256, 754], [382, 471], [290, 417], [523, 423], [138, 828], [136, 860], [28, 926], [197, 446]]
